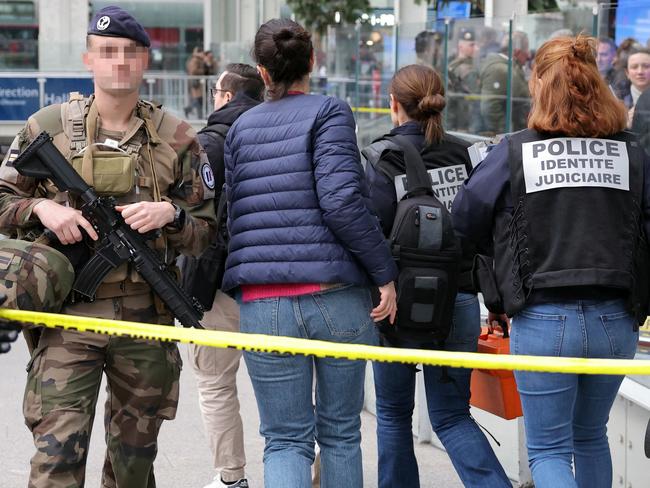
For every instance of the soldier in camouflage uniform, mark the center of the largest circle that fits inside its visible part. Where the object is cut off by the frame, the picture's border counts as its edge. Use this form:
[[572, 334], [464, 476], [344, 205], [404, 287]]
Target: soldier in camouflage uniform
[[153, 164], [462, 112]]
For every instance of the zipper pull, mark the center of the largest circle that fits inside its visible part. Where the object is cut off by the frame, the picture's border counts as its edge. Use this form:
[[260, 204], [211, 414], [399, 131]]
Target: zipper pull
[[417, 217]]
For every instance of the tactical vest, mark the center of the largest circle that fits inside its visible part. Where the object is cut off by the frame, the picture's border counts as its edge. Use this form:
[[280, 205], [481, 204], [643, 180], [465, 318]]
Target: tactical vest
[[150, 173], [576, 220]]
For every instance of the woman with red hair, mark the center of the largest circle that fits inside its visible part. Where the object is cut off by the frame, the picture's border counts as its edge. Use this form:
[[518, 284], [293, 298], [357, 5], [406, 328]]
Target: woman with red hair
[[564, 208]]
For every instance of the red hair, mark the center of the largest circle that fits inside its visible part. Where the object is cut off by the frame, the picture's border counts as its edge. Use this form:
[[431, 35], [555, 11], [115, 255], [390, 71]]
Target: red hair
[[570, 97]]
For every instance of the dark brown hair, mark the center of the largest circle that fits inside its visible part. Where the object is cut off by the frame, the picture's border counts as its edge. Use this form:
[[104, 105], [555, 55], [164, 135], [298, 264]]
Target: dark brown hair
[[284, 48], [419, 91], [570, 97], [244, 78]]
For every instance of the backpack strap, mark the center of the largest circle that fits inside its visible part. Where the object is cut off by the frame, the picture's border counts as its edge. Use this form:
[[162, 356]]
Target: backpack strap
[[373, 154], [222, 216], [218, 129], [417, 176], [73, 114]]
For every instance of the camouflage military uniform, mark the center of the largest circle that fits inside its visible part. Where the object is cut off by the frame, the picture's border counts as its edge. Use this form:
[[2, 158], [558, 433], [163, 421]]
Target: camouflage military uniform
[[462, 112], [32, 277], [65, 370]]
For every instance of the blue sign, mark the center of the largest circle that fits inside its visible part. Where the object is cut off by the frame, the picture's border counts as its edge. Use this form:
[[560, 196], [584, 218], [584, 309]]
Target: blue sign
[[19, 98], [455, 10], [632, 20], [57, 90]]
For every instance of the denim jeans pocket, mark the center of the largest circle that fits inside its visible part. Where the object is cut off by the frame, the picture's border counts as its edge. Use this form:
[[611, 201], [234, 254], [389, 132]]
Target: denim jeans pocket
[[345, 310], [466, 324], [537, 333], [260, 316], [619, 328]]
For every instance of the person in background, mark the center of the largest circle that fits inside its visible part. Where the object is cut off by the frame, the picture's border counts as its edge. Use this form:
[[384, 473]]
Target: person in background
[[304, 255], [238, 89], [416, 104], [488, 44], [570, 253], [605, 59], [494, 83], [200, 63], [641, 120], [638, 72], [621, 83], [428, 48], [463, 114]]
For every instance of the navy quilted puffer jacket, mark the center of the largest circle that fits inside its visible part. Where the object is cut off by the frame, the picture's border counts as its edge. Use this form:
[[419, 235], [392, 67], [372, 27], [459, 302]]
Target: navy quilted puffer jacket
[[296, 209]]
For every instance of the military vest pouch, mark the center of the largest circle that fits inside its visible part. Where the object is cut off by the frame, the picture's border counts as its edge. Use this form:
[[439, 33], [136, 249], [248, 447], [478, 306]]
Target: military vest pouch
[[113, 173]]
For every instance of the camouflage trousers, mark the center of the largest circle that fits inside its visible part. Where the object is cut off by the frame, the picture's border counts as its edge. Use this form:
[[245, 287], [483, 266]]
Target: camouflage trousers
[[64, 376]]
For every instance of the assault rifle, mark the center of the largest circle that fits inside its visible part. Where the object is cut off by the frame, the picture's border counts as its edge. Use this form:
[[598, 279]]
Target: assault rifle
[[118, 243]]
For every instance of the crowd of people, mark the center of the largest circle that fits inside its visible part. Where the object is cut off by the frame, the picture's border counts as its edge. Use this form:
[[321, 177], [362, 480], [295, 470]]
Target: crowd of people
[[478, 71], [278, 176]]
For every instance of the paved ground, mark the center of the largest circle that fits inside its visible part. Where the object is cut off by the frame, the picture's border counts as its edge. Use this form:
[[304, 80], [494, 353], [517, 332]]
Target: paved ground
[[183, 459]]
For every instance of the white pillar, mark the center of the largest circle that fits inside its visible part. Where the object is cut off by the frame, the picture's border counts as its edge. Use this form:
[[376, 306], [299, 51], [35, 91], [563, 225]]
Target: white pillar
[[208, 33], [409, 12], [410, 19], [505, 8], [271, 10], [62, 42], [247, 21]]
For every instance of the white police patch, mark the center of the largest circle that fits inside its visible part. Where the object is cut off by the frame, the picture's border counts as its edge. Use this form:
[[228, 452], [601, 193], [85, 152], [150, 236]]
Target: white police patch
[[103, 23], [208, 176], [445, 182], [575, 162]]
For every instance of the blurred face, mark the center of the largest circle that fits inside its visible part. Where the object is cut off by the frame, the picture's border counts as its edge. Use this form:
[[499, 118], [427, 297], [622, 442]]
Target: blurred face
[[466, 49], [605, 57], [521, 55], [221, 96], [117, 64], [638, 70]]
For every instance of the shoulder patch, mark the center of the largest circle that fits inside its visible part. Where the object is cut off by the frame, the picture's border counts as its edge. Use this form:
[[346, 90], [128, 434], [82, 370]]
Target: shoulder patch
[[207, 176]]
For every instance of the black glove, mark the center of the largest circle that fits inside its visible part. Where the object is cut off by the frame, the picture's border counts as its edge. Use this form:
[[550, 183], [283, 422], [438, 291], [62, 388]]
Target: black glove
[[8, 331]]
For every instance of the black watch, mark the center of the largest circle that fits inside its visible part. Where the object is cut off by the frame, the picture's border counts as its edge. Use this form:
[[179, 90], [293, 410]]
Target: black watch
[[179, 217]]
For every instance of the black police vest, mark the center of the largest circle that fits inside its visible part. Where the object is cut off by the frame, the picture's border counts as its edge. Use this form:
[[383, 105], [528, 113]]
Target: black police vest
[[576, 222], [448, 165]]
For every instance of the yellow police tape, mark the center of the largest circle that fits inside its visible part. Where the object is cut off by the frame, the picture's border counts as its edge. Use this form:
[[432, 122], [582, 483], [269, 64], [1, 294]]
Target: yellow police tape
[[322, 349], [371, 110]]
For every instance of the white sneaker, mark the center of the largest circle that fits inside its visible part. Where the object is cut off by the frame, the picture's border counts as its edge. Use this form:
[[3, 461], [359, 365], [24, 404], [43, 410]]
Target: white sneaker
[[217, 483]]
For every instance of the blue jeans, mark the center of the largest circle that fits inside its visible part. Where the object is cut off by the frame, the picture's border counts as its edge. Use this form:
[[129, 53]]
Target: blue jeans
[[448, 405], [566, 414], [283, 386]]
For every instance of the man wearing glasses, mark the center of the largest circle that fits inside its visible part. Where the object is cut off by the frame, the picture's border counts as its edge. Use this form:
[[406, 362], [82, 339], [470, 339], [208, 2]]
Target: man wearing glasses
[[238, 89]]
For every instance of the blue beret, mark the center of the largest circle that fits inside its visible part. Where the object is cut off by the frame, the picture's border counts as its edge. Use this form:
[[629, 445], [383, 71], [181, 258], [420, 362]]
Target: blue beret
[[113, 21]]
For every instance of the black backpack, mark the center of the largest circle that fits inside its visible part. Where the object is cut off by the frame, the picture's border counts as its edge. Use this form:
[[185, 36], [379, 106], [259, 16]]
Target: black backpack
[[427, 252]]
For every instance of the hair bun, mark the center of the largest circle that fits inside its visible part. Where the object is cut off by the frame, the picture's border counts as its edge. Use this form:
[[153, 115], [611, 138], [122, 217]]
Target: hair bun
[[583, 48], [432, 104], [281, 38]]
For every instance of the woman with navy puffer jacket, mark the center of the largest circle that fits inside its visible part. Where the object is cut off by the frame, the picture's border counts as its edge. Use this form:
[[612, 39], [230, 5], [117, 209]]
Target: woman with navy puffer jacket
[[304, 253]]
